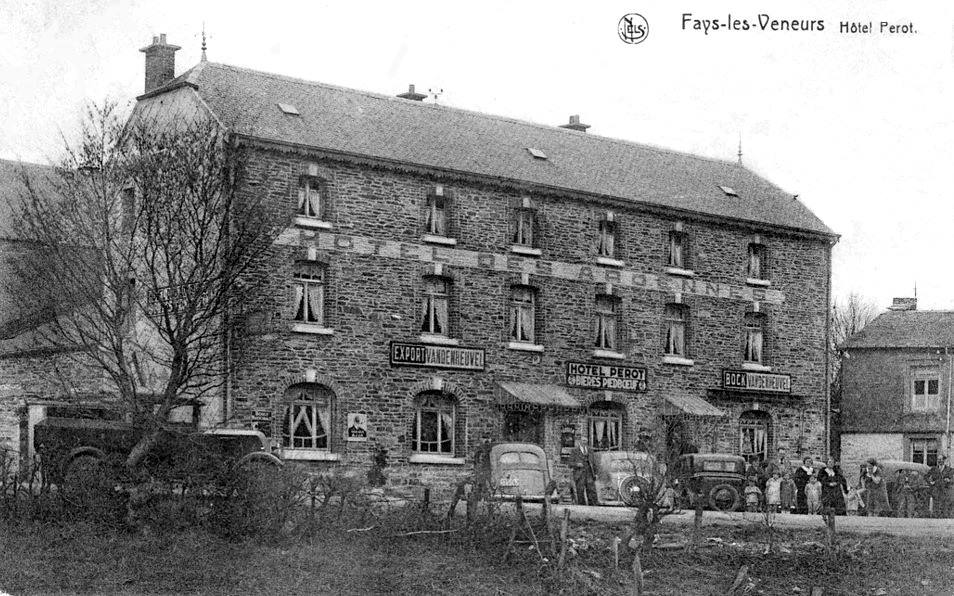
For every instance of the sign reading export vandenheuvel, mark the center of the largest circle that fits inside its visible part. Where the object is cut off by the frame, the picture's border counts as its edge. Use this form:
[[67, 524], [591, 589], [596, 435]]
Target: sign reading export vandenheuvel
[[746, 380], [604, 376], [413, 354]]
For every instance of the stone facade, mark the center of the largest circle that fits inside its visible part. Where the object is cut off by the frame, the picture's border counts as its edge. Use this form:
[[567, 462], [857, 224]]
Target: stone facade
[[375, 255]]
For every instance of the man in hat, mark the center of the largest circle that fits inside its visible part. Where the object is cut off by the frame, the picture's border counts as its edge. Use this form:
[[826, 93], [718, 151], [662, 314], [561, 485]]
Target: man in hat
[[940, 479], [584, 477]]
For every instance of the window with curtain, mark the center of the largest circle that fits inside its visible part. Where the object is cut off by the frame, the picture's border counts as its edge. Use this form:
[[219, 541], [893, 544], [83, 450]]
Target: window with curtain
[[434, 424], [522, 312], [924, 451], [309, 286], [306, 421], [435, 219], [309, 197], [605, 426], [434, 306], [607, 239], [925, 391], [754, 329], [607, 318], [676, 324], [756, 266], [677, 249], [523, 227]]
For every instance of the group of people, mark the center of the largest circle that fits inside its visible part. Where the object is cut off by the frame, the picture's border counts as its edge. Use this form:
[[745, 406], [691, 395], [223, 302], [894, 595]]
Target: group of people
[[774, 486]]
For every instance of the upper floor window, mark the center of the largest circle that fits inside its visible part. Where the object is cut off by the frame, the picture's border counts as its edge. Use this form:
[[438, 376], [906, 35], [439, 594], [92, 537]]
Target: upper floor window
[[309, 284], [522, 313], [678, 249], [925, 392], [523, 227], [306, 420], [607, 319], [434, 421], [754, 327], [435, 216], [310, 199], [676, 328], [756, 261], [606, 246], [434, 307]]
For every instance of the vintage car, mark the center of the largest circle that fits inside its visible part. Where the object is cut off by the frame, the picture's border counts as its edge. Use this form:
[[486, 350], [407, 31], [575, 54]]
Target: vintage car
[[71, 439], [621, 475], [519, 469], [716, 478]]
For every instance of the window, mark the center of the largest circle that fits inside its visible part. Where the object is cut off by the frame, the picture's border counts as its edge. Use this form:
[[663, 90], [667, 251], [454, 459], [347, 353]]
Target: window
[[310, 201], [306, 422], [754, 435], [435, 219], [676, 322], [522, 312], [435, 306], [607, 317], [756, 263], [434, 424], [523, 227], [605, 427], [754, 329], [926, 392], [309, 292], [677, 249], [607, 239], [924, 451]]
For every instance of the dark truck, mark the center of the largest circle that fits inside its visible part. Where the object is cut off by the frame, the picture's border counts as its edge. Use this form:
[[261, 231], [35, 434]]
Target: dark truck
[[71, 439]]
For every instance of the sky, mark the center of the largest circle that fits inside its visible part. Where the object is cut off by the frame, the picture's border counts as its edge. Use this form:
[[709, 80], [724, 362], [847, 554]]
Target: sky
[[859, 125]]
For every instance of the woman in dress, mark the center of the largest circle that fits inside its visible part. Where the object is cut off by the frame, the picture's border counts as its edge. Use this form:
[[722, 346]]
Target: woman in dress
[[833, 483], [876, 490]]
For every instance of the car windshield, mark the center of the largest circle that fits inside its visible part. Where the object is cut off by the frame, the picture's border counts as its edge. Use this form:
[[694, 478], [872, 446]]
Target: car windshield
[[519, 457]]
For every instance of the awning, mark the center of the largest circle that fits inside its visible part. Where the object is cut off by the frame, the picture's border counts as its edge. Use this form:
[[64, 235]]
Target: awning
[[691, 405], [529, 395]]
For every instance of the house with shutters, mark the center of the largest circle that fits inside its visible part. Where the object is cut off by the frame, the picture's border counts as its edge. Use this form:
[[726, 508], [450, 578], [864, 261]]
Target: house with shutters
[[448, 277]]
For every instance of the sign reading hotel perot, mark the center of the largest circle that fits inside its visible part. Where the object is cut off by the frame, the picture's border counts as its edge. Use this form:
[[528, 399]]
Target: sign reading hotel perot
[[605, 376], [415, 354], [746, 380]]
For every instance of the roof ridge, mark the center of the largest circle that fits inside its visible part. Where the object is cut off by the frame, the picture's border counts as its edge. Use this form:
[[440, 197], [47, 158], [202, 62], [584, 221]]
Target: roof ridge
[[549, 127]]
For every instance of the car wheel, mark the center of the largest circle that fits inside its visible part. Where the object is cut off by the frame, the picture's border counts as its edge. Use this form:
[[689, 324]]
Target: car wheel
[[84, 480], [724, 497], [631, 489]]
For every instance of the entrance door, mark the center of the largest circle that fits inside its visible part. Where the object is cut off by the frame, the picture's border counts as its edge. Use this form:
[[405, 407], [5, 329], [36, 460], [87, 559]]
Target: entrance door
[[524, 427]]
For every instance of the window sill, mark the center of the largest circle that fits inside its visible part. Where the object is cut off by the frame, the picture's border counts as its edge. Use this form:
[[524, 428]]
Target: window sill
[[312, 329], [680, 272], [523, 346], [312, 222], [435, 239], [439, 340], [525, 250], [610, 262], [755, 366], [677, 360], [608, 354], [310, 455], [754, 281], [431, 458]]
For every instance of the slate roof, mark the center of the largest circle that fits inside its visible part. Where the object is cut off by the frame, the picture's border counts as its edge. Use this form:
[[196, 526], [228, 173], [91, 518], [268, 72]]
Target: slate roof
[[11, 188], [906, 329], [435, 136]]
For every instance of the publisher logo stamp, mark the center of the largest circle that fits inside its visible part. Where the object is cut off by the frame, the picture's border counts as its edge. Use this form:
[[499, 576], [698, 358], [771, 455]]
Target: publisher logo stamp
[[633, 28]]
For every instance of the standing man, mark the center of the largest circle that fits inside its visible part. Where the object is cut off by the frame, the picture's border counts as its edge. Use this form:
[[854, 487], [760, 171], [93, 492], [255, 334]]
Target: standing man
[[940, 481], [584, 478]]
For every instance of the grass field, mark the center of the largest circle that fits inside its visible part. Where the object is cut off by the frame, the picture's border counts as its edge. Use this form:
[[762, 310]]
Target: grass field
[[37, 559]]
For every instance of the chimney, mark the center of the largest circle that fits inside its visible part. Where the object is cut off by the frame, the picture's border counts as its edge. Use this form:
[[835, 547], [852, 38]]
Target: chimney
[[904, 304], [575, 124], [412, 94], [160, 62]]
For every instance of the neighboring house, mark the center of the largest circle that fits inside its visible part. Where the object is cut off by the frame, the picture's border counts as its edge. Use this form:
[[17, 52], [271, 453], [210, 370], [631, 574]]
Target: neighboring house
[[896, 398], [33, 373], [455, 277]]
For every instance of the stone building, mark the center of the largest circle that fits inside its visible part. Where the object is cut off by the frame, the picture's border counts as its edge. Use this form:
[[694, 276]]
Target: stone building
[[449, 277], [896, 396]]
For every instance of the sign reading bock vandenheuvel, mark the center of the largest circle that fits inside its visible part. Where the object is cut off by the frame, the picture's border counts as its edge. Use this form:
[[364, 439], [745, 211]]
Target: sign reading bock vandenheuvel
[[412, 354], [603, 376], [746, 380]]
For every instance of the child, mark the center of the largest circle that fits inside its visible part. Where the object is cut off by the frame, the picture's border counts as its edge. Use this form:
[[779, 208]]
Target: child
[[813, 494], [853, 500], [752, 496], [787, 493], [773, 493]]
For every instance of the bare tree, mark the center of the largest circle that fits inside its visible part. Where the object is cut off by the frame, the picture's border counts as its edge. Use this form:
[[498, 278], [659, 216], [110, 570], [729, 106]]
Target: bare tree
[[141, 250]]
